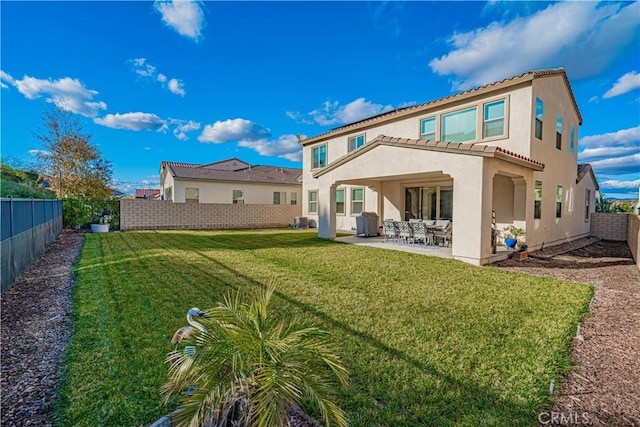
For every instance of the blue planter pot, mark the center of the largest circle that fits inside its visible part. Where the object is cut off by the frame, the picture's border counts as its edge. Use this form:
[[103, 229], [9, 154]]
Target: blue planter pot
[[510, 243]]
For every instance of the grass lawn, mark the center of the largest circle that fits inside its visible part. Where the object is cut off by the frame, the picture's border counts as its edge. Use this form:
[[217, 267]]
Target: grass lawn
[[427, 341]]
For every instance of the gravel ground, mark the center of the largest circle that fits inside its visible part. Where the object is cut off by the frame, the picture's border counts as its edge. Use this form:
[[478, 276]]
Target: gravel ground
[[604, 390]]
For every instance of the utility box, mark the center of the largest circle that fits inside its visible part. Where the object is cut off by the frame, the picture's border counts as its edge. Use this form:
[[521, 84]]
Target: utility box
[[300, 222], [367, 224]]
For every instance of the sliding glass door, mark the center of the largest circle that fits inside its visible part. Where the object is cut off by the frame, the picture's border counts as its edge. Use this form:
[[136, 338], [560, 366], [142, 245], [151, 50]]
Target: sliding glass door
[[428, 203]]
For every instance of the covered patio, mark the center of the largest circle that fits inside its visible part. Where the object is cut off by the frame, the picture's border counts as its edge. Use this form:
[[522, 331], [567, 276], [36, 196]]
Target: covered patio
[[415, 179]]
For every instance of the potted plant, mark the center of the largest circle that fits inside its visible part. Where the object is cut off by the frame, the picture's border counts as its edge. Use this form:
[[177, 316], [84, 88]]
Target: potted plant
[[512, 236], [101, 221]]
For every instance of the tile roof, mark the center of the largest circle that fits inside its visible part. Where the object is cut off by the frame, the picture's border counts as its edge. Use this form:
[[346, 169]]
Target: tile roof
[[257, 174], [447, 147], [417, 109], [585, 169], [140, 193]]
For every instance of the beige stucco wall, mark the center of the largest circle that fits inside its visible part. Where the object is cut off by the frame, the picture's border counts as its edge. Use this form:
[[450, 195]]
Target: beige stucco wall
[[222, 192], [633, 237], [157, 214]]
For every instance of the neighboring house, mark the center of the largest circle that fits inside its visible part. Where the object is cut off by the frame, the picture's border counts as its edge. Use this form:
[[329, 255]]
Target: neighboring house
[[507, 149], [230, 181], [147, 194]]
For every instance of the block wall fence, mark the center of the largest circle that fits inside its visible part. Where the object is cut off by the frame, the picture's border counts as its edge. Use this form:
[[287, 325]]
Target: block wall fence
[[136, 214], [618, 226]]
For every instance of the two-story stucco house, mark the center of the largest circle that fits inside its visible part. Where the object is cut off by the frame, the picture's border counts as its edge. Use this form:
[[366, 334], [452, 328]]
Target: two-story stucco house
[[230, 181], [507, 150]]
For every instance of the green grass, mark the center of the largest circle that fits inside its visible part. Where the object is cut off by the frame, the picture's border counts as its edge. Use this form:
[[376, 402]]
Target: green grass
[[427, 341]]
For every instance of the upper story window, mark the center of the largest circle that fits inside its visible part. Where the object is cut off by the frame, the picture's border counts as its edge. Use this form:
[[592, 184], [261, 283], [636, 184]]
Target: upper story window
[[572, 137], [493, 119], [428, 129], [167, 193], [559, 201], [539, 117], [355, 142], [319, 157], [191, 195], [459, 126], [559, 132], [238, 197], [340, 201], [357, 200], [294, 198], [537, 204], [313, 201]]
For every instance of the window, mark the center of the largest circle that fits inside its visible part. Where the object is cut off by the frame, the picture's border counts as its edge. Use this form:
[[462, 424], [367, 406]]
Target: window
[[319, 157], [279, 198], [355, 142], [340, 201], [459, 126], [493, 119], [537, 204], [572, 136], [559, 132], [587, 205], [428, 129], [357, 200], [191, 195], [294, 198], [167, 193], [559, 201], [539, 117], [313, 201], [446, 203], [238, 197]]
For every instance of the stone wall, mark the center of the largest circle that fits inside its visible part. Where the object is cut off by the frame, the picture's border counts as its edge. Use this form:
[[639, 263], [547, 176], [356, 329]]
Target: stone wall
[[609, 226], [159, 214]]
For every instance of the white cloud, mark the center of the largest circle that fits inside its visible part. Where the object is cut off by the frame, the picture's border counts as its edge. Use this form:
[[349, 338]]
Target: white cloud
[[615, 184], [133, 121], [592, 154], [617, 165], [624, 136], [233, 129], [583, 36], [39, 153], [626, 83], [183, 127], [186, 17], [286, 147], [176, 86], [144, 69], [66, 93], [3, 86], [332, 113]]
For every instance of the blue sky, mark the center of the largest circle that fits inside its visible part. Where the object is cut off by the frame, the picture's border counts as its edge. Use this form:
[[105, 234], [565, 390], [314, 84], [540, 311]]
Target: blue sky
[[200, 82]]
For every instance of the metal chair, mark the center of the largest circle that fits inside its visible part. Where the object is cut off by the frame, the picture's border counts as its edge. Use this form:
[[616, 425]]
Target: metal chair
[[390, 230], [443, 234], [405, 231], [420, 231]]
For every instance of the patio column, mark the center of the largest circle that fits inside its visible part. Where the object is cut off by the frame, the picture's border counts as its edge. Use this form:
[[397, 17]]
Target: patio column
[[326, 210], [519, 202]]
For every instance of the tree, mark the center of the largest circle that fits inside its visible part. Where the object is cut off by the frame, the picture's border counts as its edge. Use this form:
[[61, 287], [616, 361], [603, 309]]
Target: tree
[[68, 160], [249, 367]]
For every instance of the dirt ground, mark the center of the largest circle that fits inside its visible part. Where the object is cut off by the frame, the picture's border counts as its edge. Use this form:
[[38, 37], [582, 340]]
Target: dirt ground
[[604, 390]]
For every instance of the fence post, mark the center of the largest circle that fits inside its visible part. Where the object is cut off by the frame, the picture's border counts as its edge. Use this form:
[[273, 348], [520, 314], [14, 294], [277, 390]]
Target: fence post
[[11, 215]]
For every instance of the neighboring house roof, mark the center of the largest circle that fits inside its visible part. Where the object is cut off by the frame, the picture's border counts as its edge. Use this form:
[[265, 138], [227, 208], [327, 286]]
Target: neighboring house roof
[[258, 174], [447, 147], [584, 170], [418, 109], [140, 193]]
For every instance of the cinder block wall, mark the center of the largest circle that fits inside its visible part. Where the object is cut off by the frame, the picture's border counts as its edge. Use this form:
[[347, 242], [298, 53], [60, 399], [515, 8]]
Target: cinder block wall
[[609, 226], [633, 236], [159, 214]]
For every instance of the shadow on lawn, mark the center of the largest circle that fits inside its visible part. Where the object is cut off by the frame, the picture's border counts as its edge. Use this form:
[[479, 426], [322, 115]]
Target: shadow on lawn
[[469, 403]]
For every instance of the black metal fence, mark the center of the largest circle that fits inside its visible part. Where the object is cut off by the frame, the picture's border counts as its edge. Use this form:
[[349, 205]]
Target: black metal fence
[[27, 228]]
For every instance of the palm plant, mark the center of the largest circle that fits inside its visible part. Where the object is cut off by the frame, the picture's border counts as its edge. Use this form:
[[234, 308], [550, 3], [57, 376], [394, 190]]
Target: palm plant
[[250, 367]]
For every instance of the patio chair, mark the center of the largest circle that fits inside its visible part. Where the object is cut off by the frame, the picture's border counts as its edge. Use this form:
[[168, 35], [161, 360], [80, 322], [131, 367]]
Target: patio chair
[[404, 231], [420, 232], [443, 234], [390, 230]]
